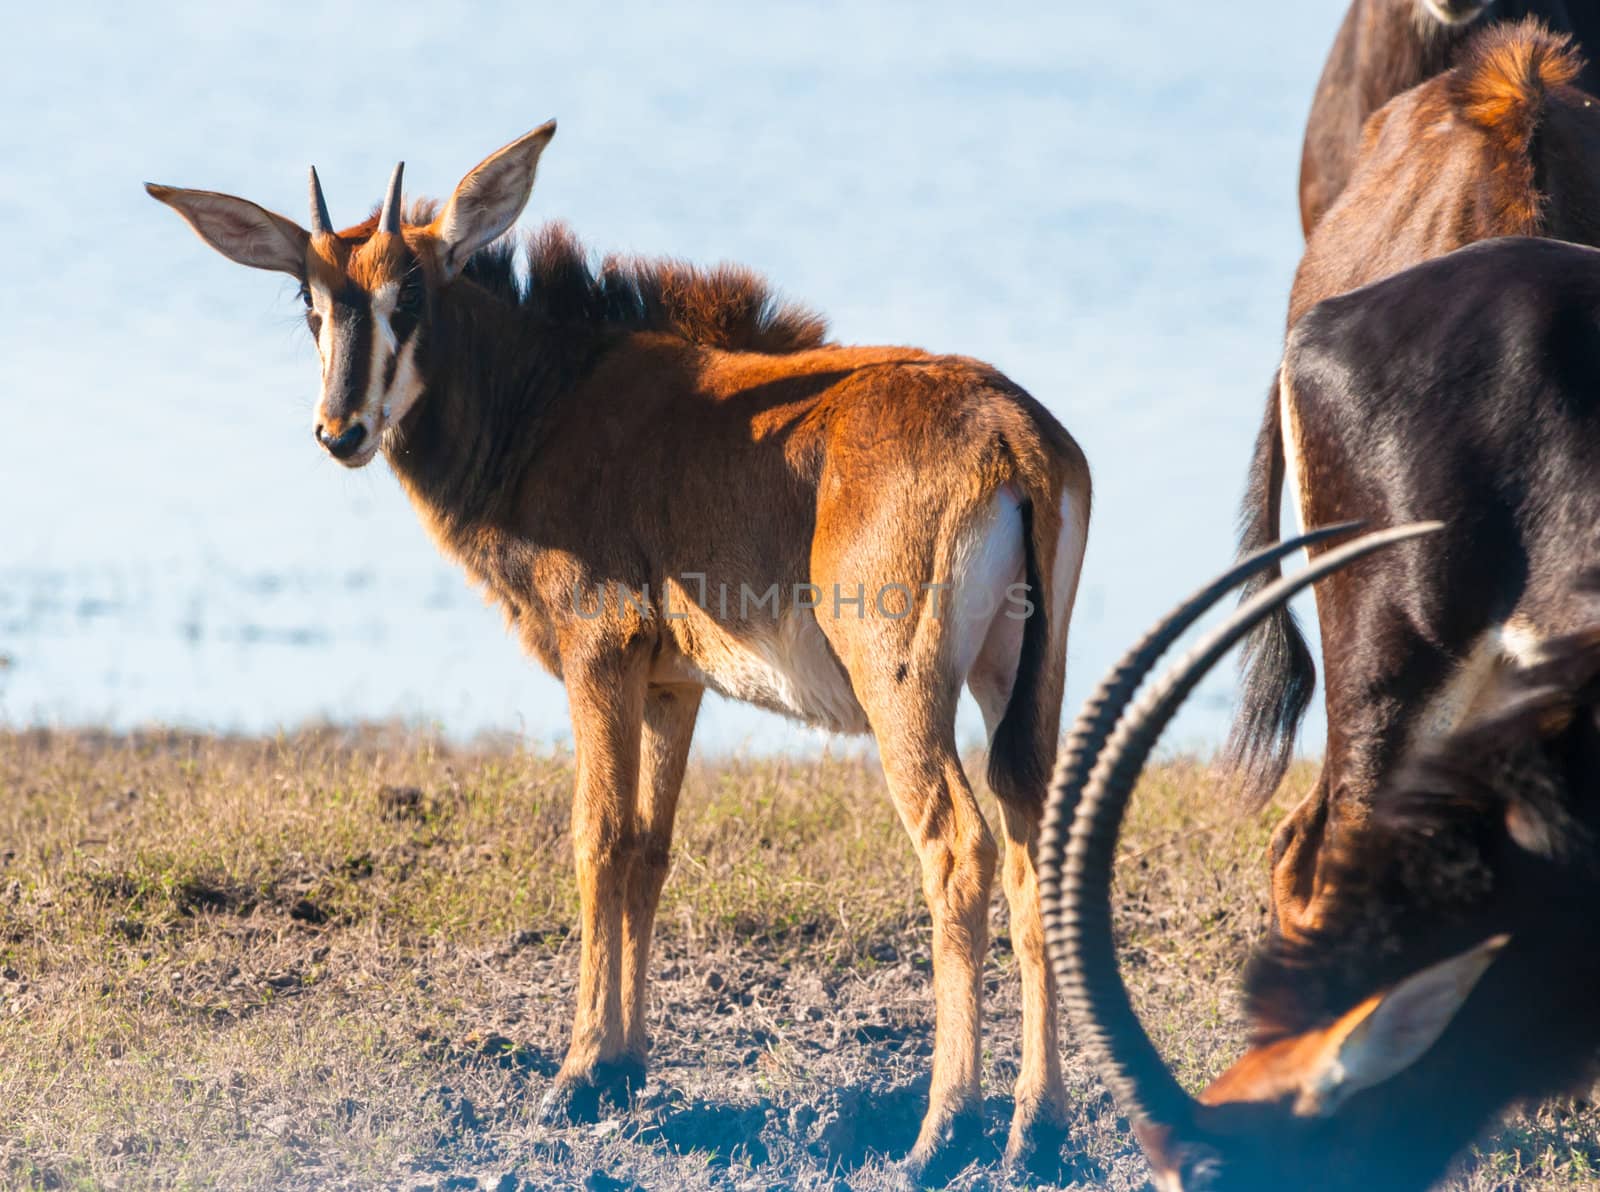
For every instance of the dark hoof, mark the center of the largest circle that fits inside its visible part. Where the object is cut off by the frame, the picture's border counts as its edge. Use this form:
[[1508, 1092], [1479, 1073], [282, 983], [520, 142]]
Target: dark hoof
[[938, 1157], [1033, 1153], [583, 1098]]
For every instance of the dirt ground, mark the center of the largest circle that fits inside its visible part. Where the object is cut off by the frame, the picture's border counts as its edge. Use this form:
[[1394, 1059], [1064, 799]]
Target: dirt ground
[[345, 960]]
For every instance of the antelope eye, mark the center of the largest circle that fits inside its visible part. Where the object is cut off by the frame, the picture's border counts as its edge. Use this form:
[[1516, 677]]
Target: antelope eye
[[410, 294], [305, 295]]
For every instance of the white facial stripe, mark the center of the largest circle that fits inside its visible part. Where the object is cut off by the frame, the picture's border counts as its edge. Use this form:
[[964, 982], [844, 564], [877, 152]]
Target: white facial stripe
[[322, 306], [383, 303], [382, 353], [407, 386]]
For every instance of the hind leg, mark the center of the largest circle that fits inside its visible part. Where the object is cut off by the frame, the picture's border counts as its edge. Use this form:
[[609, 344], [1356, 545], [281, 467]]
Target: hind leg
[[904, 686], [958, 857], [1356, 758], [1397, 690], [1038, 1124], [906, 665], [1296, 844]]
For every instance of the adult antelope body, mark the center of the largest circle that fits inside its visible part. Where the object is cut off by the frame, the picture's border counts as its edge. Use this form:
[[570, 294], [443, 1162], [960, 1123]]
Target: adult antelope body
[[671, 483], [1384, 47], [1501, 145], [1454, 973]]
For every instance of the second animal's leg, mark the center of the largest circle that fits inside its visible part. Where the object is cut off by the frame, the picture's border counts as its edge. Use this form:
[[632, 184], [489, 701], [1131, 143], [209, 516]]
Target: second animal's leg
[[1393, 692], [1296, 844]]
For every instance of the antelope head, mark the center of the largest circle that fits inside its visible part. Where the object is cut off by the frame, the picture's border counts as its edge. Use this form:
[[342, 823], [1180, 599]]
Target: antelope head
[[372, 290], [1361, 1098]]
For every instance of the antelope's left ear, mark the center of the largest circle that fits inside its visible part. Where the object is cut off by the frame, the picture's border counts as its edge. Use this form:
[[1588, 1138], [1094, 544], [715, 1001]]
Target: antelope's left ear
[[488, 200], [1387, 1034], [239, 229]]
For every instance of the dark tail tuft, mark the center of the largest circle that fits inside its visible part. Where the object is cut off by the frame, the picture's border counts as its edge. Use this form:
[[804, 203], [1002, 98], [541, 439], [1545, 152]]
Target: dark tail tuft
[[1278, 673], [1022, 752]]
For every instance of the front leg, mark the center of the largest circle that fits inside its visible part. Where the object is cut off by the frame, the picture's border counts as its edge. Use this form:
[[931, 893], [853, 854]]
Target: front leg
[[606, 693], [669, 716]]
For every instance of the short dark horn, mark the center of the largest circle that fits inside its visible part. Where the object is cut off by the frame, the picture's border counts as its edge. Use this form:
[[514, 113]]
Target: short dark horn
[[1075, 880], [389, 221], [321, 225]]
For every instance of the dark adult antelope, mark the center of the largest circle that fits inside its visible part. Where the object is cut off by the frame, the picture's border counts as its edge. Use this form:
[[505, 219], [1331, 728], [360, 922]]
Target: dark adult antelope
[[1501, 145], [1453, 975], [671, 483], [1385, 47]]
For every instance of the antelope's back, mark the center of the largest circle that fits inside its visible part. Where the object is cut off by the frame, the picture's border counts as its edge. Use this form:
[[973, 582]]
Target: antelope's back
[[1465, 389]]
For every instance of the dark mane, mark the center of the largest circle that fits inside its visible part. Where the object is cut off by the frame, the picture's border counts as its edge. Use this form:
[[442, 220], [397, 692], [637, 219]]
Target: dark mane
[[726, 306], [1480, 833]]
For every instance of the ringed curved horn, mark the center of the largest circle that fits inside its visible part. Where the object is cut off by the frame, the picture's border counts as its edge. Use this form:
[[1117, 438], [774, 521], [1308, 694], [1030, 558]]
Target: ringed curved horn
[[389, 221], [1075, 878], [321, 225], [1100, 711]]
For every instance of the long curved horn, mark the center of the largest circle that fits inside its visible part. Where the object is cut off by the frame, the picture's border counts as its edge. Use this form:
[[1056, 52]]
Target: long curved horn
[[389, 221], [321, 225], [1122, 681], [1075, 896], [1100, 711]]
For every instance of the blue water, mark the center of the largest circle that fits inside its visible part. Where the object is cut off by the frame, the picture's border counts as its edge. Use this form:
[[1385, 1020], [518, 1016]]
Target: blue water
[[1097, 198]]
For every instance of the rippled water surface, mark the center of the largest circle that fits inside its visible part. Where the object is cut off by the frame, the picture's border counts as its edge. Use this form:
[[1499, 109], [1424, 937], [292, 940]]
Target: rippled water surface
[[1097, 198]]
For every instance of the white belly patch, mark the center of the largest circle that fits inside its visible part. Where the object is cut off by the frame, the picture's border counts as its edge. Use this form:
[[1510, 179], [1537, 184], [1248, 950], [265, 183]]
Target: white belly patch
[[785, 665]]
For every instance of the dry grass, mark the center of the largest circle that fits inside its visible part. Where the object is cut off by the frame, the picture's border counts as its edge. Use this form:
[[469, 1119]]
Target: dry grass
[[344, 960]]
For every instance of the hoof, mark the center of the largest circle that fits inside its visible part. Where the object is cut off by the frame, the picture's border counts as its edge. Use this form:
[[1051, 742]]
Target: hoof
[[1033, 1152], [944, 1149], [581, 1098]]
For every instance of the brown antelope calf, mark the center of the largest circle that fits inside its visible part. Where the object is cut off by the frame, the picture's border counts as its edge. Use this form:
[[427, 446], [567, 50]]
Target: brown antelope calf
[[670, 483], [1500, 145], [1385, 47], [1453, 975]]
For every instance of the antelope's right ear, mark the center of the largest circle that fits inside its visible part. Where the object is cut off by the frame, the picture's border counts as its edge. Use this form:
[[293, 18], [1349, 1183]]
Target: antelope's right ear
[[238, 229], [488, 200], [1389, 1033]]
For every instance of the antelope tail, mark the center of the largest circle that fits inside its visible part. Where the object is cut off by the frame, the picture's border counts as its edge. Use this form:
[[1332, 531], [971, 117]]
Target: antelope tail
[[1278, 675]]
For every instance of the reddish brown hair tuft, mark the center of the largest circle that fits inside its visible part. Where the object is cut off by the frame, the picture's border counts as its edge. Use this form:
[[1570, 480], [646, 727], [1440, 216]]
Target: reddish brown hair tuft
[[1501, 80]]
